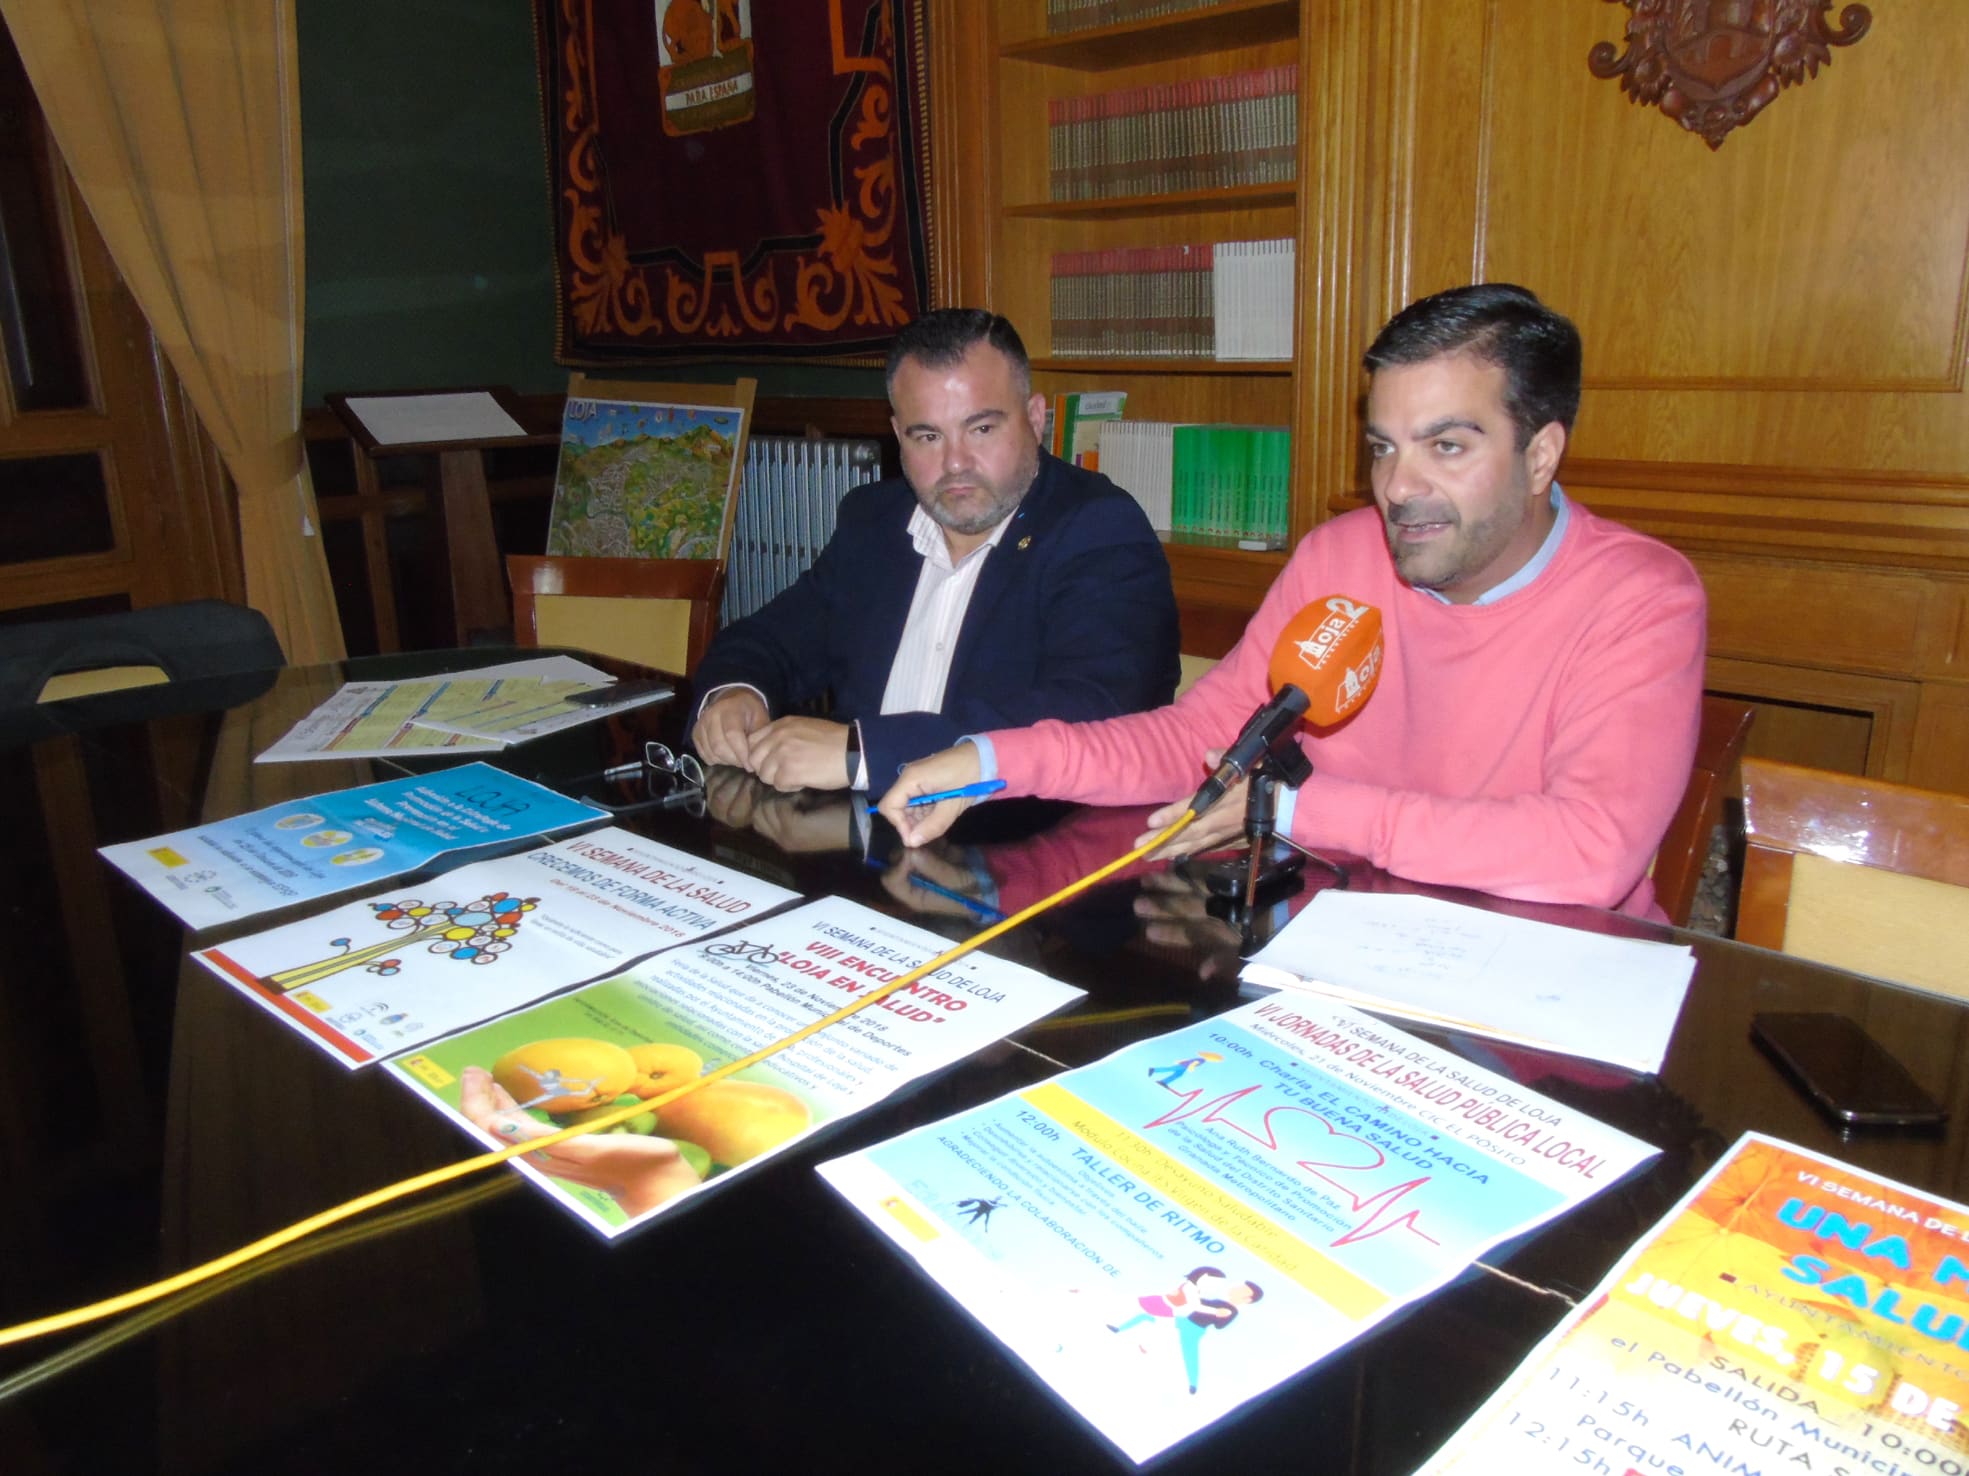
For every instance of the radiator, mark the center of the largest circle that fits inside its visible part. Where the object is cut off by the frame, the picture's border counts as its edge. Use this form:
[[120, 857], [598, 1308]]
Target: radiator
[[786, 512]]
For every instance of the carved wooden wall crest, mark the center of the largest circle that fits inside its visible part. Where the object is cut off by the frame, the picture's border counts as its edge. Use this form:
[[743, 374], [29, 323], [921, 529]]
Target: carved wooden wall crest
[[1713, 64]]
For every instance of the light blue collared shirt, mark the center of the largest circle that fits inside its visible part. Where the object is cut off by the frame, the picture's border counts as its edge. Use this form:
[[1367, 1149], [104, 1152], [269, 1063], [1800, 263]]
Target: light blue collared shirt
[[1534, 566]]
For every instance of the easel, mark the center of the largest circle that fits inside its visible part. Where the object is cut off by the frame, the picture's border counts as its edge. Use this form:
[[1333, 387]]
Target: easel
[[478, 581]]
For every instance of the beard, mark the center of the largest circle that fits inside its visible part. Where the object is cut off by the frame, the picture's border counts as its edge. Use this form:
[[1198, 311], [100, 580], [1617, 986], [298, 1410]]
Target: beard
[[991, 503], [1445, 560]]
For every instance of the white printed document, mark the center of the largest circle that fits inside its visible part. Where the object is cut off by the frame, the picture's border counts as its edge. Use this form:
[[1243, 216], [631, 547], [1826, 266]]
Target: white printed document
[[1462, 968], [1792, 1314], [415, 420]]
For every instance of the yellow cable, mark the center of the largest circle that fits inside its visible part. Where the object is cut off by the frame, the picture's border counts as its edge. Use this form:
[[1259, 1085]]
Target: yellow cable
[[192, 1276], [75, 1354]]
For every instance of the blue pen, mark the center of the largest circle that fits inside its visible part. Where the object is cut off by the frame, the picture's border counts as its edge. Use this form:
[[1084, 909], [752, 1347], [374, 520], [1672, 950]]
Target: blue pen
[[983, 909], [968, 791], [916, 879]]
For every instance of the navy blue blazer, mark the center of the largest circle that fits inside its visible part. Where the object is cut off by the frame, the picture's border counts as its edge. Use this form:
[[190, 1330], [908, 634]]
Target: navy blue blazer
[[1073, 617]]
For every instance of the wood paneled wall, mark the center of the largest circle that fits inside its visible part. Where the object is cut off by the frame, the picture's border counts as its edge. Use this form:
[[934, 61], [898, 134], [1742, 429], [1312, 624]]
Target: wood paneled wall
[[1774, 334], [1775, 330]]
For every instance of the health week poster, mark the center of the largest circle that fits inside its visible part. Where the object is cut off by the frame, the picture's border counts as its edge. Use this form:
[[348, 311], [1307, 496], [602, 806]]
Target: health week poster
[[696, 1008], [374, 977], [1792, 1313], [1172, 1230], [311, 848]]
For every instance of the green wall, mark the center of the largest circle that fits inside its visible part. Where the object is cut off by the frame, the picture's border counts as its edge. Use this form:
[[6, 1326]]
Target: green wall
[[429, 237]]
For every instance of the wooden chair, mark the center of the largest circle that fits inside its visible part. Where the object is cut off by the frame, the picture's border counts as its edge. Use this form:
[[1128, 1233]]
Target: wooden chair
[[1208, 632], [1685, 844], [656, 612], [1857, 872], [1193, 670]]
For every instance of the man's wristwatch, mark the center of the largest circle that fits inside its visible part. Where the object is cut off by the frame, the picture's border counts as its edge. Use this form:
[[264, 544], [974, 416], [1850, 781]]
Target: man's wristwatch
[[854, 753]]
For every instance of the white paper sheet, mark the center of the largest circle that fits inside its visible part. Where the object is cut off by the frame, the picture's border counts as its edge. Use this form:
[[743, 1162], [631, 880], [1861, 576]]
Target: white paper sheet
[[1562, 989], [411, 420]]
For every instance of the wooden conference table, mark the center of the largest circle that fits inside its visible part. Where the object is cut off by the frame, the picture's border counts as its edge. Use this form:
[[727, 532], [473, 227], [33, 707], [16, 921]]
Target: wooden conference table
[[151, 1118]]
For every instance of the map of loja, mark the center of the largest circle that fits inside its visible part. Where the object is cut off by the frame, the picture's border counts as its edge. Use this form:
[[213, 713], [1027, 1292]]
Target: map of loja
[[643, 481]]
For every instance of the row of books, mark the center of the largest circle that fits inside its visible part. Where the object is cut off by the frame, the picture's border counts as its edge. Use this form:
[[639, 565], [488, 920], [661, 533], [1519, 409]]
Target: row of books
[[1251, 298], [1221, 481], [1203, 301], [1085, 15], [1202, 133], [1074, 423]]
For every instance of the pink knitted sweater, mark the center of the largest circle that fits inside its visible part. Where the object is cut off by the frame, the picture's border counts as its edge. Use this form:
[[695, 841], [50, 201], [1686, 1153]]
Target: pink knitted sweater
[[1533, 748]]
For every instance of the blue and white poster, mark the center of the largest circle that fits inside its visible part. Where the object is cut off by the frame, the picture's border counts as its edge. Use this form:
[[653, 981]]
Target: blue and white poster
[[1172, 1230], [327, 843]]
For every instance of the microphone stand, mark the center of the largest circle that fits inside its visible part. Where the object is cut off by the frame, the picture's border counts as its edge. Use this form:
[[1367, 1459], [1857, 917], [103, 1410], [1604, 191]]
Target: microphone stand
[[1283, 761]]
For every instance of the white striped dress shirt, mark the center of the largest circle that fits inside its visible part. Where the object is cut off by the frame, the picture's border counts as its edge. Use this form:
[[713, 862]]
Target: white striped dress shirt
[[936, 615]]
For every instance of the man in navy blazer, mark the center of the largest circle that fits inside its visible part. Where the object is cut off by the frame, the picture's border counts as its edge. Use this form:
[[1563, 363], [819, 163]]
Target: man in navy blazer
[[991, 586]]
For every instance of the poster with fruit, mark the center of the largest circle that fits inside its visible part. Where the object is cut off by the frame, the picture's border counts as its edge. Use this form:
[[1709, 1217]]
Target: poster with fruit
[[692, 1009], [1792, 1313], [392, 971]]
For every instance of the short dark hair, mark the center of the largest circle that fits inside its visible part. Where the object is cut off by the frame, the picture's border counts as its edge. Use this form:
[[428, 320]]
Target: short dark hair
[[941, 338], [1502, 324]]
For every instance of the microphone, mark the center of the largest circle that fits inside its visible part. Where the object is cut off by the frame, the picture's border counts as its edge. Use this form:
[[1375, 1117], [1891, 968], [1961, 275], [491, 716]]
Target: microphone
[[1260, 731], [1332, 651], [1324, 664]]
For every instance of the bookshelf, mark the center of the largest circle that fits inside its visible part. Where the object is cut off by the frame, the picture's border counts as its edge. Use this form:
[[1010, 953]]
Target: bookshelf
[[1176, 202], [1724, 410], [1007, 232], [1157, 39]]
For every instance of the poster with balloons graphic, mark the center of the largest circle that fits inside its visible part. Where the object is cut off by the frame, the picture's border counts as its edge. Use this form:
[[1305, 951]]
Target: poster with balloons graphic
[[378, 976]]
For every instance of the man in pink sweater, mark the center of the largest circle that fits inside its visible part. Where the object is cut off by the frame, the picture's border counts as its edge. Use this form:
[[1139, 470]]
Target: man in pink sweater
[[1536, 714]]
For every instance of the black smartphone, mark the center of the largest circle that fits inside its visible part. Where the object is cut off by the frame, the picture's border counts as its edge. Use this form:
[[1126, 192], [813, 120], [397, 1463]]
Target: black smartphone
[[1847, 1073]]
